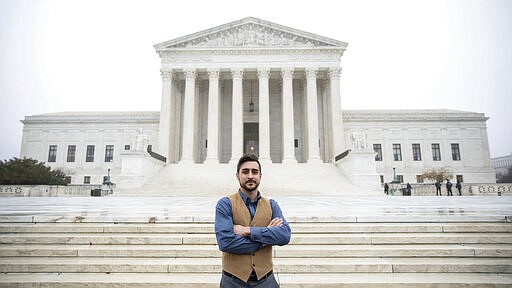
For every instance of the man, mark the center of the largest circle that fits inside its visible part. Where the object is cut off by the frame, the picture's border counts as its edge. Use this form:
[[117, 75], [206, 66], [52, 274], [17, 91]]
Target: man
[[449, 187], [438, 188], [459, 187], [247, 226]]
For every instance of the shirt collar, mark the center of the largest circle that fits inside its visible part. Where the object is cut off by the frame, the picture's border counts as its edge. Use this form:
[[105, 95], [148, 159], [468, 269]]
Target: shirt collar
[[246, 199]]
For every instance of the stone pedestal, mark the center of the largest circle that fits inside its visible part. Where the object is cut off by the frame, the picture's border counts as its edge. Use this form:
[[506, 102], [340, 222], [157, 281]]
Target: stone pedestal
[[359, 166], [136, 168]]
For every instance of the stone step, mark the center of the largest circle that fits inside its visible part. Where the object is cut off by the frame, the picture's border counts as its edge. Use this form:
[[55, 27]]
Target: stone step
[[282, 265], [346, 280], [297, 238], [296, 227], [289, 251]]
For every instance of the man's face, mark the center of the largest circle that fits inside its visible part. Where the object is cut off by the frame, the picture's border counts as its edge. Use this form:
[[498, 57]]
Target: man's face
[[249, 176]]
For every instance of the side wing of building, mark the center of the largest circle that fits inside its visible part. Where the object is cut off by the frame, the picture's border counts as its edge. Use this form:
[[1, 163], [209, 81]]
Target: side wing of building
[[414, 141], [86, 144]]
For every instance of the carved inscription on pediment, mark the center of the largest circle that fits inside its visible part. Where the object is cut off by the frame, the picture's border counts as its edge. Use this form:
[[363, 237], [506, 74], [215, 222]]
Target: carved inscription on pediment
[[250, 35]]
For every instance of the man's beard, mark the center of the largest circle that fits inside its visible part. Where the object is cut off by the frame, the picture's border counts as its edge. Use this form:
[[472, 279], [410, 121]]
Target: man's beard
[[248, 189]]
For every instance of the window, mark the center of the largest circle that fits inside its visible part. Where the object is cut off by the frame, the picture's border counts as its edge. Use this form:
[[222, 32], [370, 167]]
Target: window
[[52, 153], [89, 156], [381, 179], [109, 153], [68, 179], [397, 152], [400, 178], [436, 152], [419, 179], [459, 178], [87, 179], [416, 153], [296, 142], [150, 148], [126, 147], [377, 148], [71, 153], [455, 152]]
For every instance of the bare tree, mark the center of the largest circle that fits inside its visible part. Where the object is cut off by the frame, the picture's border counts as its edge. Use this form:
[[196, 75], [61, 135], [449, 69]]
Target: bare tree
[[439, 174]]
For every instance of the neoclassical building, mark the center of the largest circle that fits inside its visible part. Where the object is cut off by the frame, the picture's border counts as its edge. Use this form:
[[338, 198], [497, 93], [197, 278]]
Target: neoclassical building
[[252, 86]]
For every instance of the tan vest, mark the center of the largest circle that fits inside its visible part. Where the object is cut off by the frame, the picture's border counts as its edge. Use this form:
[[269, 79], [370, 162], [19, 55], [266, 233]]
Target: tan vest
[[241, 265]]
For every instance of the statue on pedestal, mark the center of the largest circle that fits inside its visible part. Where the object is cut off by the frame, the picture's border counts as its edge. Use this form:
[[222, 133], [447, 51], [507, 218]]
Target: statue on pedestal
[[358, 140], [141, 141]]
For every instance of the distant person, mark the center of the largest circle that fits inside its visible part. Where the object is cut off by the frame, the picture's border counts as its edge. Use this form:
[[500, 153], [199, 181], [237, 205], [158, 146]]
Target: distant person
[[247, 225], [449, 187], [459, 187], [438, 188], [386, 188], [408, 188]]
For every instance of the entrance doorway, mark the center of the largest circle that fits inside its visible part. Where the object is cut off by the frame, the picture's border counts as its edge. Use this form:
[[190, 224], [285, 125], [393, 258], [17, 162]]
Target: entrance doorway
[[251, 138]]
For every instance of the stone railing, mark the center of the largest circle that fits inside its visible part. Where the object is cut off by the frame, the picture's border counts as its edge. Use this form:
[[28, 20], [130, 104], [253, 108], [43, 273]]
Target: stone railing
[[428, 189], [47, 190]]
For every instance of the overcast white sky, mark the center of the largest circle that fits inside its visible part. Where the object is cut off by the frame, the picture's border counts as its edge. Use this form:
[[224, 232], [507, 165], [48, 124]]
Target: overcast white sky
[[99, 56]]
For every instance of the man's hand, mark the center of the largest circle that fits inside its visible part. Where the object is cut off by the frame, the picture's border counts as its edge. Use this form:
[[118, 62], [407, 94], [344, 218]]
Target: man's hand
[[242, 230], [246, 231], [275, 222]]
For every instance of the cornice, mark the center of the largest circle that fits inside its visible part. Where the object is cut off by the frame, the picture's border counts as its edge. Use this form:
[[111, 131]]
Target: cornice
[[411, 115], [93, 117]]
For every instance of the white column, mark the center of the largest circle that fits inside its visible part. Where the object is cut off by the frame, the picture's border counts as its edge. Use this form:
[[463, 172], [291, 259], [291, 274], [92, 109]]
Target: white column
[[237, 130], [338, 140], [312, 116], [164, 128], [188, 117], [212, 152], [264, 115], [288, 126]]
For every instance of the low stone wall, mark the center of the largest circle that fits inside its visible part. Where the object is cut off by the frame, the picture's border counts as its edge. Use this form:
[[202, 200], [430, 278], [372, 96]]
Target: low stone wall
[[47, 190], [494, 189]]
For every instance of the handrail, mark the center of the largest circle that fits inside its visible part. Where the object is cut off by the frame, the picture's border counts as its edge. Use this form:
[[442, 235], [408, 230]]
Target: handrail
[[157, 156], [342, 155]]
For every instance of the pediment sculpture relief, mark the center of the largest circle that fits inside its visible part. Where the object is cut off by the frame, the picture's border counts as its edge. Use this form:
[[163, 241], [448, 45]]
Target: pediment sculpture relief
[[251, 35]]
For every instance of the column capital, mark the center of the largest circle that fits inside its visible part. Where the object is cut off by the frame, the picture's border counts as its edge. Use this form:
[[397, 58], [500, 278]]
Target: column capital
[[213, 73], [263, 72], [334, 72], [166, 74], [190, 73], [237, 73], [311, 72], [287, 72]]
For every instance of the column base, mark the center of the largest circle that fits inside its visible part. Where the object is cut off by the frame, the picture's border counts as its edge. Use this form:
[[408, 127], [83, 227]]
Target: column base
[[187, 161], [290, 161], [265, 160], [211, 161], [315, 161]]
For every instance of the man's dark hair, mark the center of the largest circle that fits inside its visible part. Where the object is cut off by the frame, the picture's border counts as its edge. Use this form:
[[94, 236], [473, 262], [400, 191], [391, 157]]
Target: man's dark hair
[[247, 158]]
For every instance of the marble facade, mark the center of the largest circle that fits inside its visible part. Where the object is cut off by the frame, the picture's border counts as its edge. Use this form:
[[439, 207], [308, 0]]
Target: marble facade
[[252, 86], [290, 77]]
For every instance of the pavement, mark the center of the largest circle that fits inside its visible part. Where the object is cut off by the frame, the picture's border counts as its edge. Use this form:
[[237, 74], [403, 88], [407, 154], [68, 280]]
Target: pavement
[[295, 209]]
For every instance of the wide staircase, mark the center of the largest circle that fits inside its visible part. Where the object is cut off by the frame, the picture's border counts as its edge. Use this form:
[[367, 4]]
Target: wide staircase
[[206, 180], [336, 253]]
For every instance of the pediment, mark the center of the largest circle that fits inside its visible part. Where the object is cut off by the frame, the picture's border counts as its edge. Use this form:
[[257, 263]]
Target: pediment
[[250, 33]]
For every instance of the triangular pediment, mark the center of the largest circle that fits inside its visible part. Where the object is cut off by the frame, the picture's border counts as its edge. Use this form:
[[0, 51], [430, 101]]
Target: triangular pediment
[[250, 33]]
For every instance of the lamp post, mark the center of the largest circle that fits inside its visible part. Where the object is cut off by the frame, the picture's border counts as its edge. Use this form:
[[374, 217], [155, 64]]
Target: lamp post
[[394, 175]]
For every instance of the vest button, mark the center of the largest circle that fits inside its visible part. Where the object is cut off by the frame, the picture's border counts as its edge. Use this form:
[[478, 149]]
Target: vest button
[[253, 254], [253, 265]]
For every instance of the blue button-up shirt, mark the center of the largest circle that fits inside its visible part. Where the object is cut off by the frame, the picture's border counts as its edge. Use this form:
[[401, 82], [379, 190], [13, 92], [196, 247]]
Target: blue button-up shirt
[[230, 242]]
